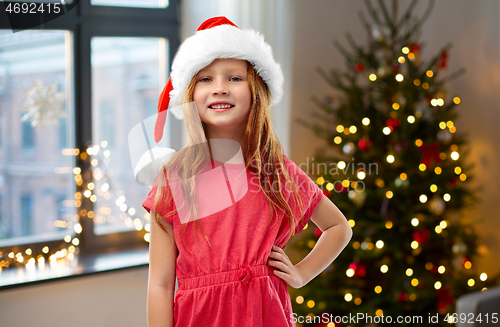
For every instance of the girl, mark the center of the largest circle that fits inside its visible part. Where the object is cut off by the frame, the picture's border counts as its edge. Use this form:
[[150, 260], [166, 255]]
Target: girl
[[246, 211]]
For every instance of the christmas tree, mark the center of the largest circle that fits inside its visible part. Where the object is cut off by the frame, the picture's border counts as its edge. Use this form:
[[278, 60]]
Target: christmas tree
[[395, 165]]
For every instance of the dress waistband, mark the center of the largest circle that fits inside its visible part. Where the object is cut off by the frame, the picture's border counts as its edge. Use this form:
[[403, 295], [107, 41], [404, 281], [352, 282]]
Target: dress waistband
[[244, 275]]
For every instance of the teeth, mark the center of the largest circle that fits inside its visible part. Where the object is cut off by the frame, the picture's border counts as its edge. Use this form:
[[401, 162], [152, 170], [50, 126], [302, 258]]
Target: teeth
[[221, 106]]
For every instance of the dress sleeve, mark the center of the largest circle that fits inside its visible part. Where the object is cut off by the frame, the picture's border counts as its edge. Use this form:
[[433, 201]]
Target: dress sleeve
[[311, 195], [163, 206]]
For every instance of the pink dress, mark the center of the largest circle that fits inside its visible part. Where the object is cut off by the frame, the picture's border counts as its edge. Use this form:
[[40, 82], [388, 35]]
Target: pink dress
[[230, 283]]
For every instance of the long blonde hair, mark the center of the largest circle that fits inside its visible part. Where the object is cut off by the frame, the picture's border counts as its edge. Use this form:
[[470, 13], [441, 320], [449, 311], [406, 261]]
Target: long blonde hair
[[263, 149]]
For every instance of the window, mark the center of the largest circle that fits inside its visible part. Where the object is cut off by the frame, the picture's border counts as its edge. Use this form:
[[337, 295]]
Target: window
[[28, 136], [25, 227], [125, 71], [102, 65], [34, 79]]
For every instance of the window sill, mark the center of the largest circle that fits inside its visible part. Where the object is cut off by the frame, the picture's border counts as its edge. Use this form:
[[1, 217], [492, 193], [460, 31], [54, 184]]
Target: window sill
[[83, 266]]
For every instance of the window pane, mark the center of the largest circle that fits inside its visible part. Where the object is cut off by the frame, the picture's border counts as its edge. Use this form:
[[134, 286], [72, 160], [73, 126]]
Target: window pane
[[36, 172], [132, 3], [128, 74]]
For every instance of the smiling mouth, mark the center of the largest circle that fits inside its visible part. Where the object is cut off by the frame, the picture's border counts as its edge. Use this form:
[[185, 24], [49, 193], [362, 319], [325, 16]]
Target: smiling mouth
[[221, 106]]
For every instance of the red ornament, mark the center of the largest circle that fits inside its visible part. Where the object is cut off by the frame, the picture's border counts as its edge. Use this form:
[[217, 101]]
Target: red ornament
[[393, 123], [402, 297], [430, 152], [326, 193], [443, 60], [339, 188], [414, 47], [364, 144], [359, 269], [434, 269], [421, 236], [317, 232], [361, 272], [359, 67], [444, 298]]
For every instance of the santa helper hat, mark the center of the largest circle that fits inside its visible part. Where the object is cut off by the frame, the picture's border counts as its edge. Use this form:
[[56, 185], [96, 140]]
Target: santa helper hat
[[216, 38]]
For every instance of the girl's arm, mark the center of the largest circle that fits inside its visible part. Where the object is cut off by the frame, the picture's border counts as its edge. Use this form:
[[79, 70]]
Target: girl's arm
[[161, 281], [336, 235]]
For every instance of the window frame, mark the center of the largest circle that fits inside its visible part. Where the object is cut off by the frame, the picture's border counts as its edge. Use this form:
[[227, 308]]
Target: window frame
[[85, 21]]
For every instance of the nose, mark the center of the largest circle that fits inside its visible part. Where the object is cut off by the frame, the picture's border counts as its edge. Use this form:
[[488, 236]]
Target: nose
[[220, 88]]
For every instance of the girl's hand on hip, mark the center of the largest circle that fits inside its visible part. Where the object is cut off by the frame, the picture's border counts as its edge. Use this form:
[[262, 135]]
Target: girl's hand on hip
[[291, 274]]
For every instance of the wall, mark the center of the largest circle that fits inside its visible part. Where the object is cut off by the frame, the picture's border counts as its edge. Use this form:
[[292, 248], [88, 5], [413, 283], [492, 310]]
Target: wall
[[474, 31], [101, 300]]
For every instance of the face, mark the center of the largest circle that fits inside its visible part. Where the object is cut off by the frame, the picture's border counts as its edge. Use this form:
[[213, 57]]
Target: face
[[222, 95]]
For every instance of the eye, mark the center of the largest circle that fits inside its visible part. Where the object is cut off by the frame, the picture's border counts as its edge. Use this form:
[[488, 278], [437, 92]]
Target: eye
[[236, 79], [205, 79]]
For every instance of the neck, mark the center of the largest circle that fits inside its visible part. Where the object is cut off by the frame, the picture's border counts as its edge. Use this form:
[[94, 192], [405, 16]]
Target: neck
[[226, 134]]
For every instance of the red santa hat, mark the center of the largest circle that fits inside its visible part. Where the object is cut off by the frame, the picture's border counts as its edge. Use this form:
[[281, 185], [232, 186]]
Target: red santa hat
[[216, 38]]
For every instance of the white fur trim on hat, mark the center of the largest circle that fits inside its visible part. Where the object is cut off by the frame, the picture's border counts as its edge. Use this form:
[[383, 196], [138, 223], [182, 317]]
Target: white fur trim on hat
[[223, 41]]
